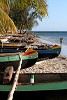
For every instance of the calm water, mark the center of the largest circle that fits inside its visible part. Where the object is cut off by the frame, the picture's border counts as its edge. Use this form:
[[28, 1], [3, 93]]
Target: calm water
[[53, 37]]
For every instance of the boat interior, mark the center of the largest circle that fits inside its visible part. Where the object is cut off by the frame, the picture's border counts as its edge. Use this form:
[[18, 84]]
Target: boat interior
[[33, 78]]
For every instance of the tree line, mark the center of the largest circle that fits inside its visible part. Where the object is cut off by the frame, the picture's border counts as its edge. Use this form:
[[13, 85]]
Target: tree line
[[21, 14]]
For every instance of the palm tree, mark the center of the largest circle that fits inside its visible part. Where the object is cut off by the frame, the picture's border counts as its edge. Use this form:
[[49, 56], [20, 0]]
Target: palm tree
[[6, 24]]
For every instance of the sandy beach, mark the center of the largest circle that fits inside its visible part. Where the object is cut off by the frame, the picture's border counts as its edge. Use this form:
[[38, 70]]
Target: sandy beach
[[55, 65]]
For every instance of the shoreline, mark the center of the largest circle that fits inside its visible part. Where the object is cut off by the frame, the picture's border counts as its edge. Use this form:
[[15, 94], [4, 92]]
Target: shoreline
[[55, 65]]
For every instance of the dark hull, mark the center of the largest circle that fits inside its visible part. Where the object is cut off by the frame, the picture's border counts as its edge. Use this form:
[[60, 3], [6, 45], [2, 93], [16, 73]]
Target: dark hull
[[25, 64], [48, 56], [12, 47], [47, 95]]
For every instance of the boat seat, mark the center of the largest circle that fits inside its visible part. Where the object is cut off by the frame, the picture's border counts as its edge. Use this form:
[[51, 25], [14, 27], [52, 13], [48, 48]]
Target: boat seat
[[8, 74]]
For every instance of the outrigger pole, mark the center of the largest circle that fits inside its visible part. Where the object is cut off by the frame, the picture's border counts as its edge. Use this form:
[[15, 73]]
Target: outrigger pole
[[10, 95]]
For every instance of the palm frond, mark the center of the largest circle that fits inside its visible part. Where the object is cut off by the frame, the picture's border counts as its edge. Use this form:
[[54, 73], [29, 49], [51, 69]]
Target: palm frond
[[6, 24]]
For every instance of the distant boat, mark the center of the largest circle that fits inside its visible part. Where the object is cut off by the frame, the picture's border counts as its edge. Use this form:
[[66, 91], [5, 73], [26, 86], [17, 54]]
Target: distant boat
[[29, 58]]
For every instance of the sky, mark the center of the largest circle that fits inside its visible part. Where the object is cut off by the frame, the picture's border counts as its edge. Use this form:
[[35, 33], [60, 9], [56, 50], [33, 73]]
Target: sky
[[56, 19]]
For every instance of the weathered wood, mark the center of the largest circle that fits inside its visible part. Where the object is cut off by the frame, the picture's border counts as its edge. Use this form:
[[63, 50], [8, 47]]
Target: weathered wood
[[10, 96], [9, 54], [8, 74]]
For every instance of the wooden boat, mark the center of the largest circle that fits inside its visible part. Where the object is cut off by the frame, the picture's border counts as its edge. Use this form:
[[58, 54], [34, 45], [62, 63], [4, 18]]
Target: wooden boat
[[37, 82], [29, 58], [12, 42], [32, 85], [14, 45], [49, 51]]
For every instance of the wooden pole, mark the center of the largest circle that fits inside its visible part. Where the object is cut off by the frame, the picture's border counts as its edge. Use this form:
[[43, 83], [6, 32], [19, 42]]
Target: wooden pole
[[10, 95]]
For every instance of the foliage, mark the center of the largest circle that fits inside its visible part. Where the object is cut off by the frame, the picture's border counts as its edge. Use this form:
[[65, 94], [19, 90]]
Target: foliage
[[25, 12], [6, 24], [40, 7], [22, 18]]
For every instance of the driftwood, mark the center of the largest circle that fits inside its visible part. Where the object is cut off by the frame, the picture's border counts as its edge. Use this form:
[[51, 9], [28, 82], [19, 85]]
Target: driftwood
[[10, 96]]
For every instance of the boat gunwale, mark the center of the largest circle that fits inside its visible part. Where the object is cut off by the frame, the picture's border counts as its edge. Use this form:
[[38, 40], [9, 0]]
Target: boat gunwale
[[37, 87], [9, 54]]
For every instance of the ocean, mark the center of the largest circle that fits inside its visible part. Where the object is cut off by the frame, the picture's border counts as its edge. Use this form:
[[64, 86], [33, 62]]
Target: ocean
[[53, 37]]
